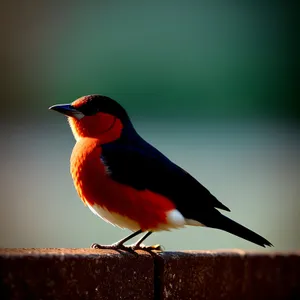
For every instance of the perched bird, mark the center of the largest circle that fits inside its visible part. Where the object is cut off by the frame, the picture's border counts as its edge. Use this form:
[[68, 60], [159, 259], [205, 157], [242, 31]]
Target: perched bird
[[129, 183]]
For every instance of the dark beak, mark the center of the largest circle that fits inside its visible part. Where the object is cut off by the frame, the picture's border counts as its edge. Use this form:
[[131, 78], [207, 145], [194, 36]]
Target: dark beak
[[68, 110]]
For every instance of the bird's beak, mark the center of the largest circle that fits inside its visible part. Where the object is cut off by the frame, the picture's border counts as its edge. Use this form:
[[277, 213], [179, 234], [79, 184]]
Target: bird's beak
[[68, 110]]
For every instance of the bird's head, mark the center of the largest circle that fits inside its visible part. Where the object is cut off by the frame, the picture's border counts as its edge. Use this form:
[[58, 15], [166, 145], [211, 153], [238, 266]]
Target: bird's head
[[94, 116]]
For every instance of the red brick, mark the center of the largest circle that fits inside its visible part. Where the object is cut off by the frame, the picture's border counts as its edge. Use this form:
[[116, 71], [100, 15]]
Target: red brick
[[227, 275], [96, 274], [74, 274]]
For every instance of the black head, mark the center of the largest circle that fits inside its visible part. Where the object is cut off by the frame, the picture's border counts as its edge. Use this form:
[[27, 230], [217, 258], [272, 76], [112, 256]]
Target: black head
[[91, 105]]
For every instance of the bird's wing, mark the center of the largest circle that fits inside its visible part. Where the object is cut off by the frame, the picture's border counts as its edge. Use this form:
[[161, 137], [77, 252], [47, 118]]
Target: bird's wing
[[144, 167]]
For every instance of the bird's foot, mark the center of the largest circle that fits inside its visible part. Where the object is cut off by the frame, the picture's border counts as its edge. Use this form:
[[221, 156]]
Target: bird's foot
[[116, 246], [129, 248], [156, 247]]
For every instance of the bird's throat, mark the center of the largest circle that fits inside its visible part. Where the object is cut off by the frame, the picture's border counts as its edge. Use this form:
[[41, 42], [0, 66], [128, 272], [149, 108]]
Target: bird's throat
[[104, 127]]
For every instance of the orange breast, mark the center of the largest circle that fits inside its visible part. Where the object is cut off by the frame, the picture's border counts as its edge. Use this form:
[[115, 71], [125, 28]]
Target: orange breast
[[95, 186]]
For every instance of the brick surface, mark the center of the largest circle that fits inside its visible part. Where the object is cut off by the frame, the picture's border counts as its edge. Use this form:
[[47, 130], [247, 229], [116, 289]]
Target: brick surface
[[227, 275], [74, 274], [98, 274]]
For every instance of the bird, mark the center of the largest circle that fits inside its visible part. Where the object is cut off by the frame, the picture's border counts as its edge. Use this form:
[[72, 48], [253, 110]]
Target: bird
[[131, 184]]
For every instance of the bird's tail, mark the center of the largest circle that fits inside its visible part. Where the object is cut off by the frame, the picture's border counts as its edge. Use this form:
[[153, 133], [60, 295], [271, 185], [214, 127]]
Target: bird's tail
[[224, 223]]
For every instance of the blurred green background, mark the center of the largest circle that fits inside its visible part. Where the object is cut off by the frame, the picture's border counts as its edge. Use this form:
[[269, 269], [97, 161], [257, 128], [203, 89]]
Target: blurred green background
[[212, 84]]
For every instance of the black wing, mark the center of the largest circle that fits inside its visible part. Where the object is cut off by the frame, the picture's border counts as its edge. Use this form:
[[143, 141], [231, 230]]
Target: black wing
[[142, 166]]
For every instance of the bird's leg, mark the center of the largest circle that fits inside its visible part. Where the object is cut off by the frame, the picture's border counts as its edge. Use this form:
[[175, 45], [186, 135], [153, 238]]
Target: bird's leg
[[118, 245], [138, 245]]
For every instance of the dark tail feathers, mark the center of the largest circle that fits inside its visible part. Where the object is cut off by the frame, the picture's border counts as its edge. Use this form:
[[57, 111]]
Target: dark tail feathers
[[224, 223]]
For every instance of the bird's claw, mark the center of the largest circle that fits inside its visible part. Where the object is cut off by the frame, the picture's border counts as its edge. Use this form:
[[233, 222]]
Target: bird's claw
[[116, 247], [156, 247], [130, 248], [109, 247]]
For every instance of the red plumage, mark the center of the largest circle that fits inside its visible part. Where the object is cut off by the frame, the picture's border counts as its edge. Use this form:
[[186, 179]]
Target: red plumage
[[95, 186]]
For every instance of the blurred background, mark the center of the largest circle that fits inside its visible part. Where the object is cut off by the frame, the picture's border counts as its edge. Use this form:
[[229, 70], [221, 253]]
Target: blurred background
[[212, 85]]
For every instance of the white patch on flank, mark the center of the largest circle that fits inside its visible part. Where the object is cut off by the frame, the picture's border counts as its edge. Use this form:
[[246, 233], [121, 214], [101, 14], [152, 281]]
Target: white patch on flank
[[174, 219], [114, 218]]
